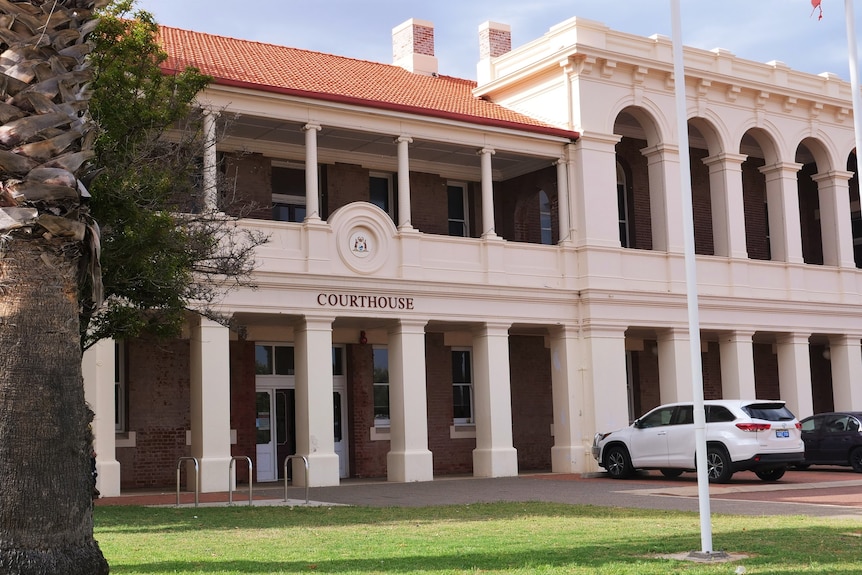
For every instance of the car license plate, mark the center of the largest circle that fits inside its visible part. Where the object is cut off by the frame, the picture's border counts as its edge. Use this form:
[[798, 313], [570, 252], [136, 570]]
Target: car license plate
[[782, 433]]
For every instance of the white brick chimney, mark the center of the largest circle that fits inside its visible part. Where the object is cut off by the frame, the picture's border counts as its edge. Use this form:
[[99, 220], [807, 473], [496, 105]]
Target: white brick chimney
[[495, 39], [413, 47]]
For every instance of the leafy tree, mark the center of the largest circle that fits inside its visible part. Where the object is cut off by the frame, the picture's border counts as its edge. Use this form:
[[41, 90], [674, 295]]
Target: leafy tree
[[139, 159], [164, 250]]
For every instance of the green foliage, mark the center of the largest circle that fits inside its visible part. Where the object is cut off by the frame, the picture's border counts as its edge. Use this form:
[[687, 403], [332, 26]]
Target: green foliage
[[157, 259]]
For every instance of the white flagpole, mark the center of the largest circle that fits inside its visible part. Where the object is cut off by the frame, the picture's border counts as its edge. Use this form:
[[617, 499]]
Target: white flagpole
[[691, 284], [854, 78]]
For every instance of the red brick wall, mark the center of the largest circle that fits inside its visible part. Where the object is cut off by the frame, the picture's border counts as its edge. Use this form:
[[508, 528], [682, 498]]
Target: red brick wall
[[765, 372], [367, 458], [821, 380], [429, 203], [532, 401], [646, 384], [450, 455], [249, 183], [809, 207], [345, 183], [640, 227], [754, 201], [711, 361], [516, 206], [242, 402], [701, 203], [158, 391]]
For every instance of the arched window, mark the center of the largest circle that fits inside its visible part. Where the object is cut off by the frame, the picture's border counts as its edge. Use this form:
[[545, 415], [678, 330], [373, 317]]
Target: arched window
[[545, 218]]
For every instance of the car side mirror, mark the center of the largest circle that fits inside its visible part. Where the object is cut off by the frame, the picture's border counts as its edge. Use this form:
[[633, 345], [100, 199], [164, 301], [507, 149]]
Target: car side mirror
[[636, 424]]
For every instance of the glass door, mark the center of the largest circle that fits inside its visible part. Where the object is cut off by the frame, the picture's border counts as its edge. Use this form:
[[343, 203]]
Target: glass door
[[266, 464]]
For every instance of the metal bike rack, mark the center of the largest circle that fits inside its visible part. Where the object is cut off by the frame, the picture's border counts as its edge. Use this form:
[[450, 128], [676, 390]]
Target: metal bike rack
[[304, 460], [230, 483], [197, 478]]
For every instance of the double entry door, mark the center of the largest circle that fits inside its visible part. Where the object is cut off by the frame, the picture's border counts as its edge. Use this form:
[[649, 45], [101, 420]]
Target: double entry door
[[276, 430]]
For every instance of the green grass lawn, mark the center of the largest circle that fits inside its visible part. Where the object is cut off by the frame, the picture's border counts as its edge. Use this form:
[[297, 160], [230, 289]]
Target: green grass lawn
[[511, 538]]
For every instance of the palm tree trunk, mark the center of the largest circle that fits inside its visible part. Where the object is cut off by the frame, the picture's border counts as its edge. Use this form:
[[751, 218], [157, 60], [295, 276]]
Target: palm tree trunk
[[46, 514]]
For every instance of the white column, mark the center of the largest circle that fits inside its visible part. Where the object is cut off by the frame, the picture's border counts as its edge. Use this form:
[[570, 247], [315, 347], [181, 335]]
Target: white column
[[98, 367], [782, 200], [210, 162], [210, 404], [569, 453], [312, 201], [409, 458], [674, 365], [488, 225], [404, 212], [728, 208], [495, 455], [315, 419], [664, 191], [605, 385], [563, 213], [593, 173], [794, 373], [833, 189], [737, 365], [846, 357]]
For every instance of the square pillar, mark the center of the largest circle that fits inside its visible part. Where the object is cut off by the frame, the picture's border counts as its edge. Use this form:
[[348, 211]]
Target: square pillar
[[737, 365], [782, 201], [728, 208], [794, 374], [593, 190], [315, 417], [409, 458], [846, 357], [674, 365], [835, 226], [664, 192], [210, 404], [570, 451], [605, 385], [98, 367], [495, 454]]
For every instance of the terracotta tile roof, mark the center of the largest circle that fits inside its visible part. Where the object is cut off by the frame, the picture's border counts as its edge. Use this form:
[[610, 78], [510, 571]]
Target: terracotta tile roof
[[273, 68]]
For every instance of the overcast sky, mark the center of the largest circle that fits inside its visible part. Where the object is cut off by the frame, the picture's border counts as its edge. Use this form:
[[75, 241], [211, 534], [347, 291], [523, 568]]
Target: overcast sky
[[760, 30]]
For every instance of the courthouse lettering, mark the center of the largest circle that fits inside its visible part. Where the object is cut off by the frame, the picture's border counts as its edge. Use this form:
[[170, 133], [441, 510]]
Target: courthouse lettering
[[364, 301]]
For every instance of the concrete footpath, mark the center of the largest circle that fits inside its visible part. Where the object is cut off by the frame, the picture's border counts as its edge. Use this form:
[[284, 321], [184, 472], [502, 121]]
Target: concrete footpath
[[817, 493]]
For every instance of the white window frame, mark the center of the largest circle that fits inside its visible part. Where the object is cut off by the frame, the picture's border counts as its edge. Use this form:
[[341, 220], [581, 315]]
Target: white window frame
[[120, 390], [471, 419], [623, 207], [389, 190], [380, 422], [465, 222]]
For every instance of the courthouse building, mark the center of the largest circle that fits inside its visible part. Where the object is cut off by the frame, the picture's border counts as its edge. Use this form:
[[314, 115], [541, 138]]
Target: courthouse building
[[473, 277]]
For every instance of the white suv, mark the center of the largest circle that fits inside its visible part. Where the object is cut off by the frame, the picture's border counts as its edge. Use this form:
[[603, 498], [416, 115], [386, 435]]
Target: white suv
[[757, 435]]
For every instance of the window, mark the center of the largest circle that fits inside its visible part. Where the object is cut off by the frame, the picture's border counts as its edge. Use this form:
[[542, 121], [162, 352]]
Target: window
[[381, 386], [545, 218], [462, 386], [274, 360], [380, 192], [623, 207], [288, 193], [457, 197], [119, 387]]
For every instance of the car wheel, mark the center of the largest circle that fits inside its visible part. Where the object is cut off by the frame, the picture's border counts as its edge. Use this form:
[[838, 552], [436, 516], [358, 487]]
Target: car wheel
[[671, 472], [618, 463], [718, 465], [856, 459], [771, 474]]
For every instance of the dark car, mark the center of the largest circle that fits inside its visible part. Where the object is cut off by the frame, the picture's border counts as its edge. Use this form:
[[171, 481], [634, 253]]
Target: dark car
[[833, 438]]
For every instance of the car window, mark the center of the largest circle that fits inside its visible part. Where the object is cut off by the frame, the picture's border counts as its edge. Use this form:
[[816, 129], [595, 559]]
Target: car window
[[684, 415], [656, 418], [836, 423], [718, 414], [812, 424], [768, 411]]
